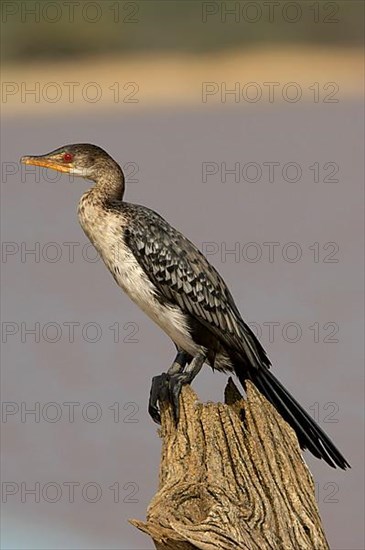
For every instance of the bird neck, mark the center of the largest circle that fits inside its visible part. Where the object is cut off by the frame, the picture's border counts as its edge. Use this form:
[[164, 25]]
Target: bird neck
[[109, 183]]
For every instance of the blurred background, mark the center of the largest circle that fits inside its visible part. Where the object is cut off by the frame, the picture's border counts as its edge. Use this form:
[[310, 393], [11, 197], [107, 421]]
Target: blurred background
[[242, 124]]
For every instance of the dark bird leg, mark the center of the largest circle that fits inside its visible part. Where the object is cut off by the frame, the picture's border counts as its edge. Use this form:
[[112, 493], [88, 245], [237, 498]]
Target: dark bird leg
[[160, 384], [179, 362], [177, 381], [168, 385]]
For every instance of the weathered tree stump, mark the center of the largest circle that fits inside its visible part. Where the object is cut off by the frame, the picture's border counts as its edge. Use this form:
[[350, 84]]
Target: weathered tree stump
[[232, 477]]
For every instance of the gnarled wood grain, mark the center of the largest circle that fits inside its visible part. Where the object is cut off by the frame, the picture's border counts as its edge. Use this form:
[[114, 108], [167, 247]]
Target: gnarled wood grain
[[232, 477]]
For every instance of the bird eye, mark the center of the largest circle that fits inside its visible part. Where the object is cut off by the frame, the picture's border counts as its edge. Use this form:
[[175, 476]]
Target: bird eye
[[67, 157]]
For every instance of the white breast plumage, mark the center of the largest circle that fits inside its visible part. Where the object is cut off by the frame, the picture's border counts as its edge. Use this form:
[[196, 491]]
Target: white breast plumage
[[105, 231]]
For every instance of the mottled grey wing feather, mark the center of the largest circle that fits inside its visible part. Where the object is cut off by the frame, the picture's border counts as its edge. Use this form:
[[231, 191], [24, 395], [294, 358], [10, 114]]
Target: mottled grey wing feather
[[183, 276]]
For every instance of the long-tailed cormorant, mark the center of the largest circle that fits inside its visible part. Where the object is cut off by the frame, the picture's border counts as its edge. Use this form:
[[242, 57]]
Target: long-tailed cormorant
[[175, 285]]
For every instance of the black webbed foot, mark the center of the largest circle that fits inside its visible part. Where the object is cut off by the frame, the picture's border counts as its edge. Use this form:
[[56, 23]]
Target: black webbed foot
[[158, 392], [176, 383], [168, 385]]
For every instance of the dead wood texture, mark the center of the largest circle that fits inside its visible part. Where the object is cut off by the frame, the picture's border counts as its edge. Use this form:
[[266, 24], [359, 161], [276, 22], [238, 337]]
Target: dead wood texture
[[227, 484]]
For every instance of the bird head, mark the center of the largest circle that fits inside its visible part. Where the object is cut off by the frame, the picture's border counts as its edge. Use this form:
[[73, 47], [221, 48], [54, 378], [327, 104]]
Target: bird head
[[81, 159]]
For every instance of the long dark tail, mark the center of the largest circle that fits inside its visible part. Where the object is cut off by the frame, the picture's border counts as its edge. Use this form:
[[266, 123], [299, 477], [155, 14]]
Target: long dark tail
[[309, 434]]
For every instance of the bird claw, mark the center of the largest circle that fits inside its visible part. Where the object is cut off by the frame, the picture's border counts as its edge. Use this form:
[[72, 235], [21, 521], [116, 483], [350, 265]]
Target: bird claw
[[176, 383], [167, 387], [158, 389]]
